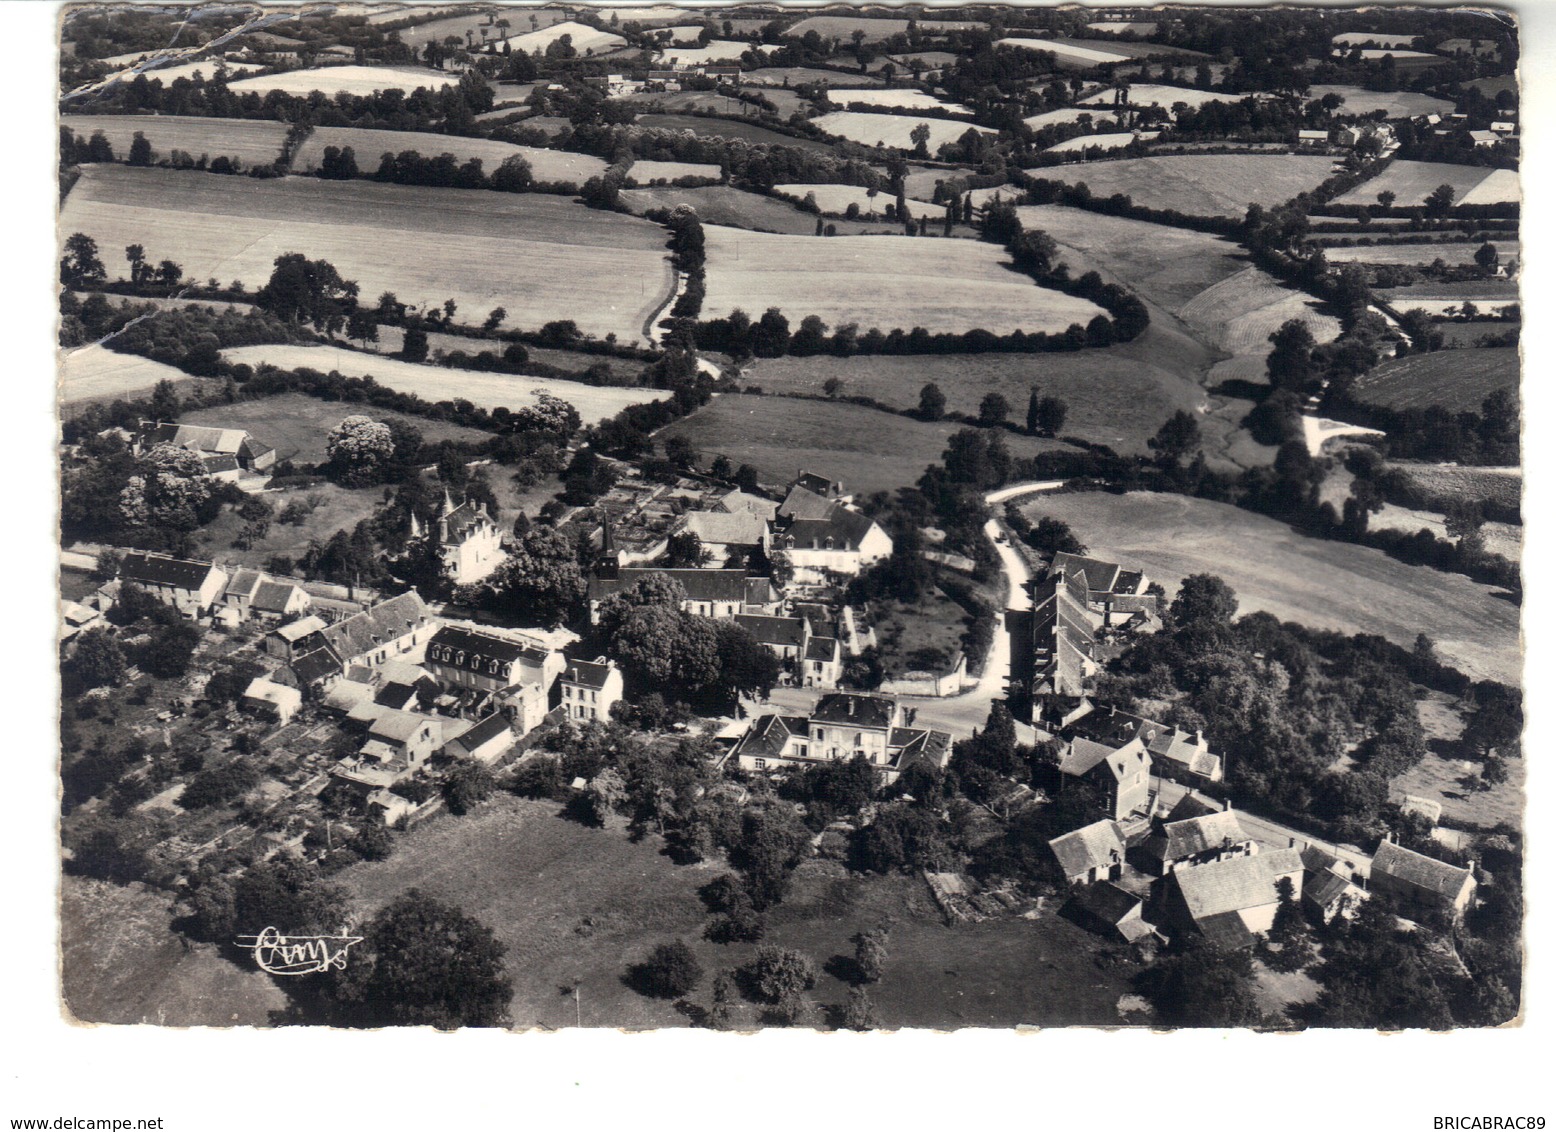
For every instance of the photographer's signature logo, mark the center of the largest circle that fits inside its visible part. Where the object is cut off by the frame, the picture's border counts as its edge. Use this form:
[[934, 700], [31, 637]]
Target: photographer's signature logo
[[298, 954]]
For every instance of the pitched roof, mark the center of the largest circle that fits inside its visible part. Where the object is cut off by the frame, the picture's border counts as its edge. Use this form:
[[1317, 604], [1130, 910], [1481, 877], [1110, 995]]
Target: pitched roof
[[163, 570], [1419, 871], [274, 597], [198, 438], [317, 665], [398, 726], [1062, 638], [587, 674], [759, 591], [700, 585], [1106, 900], [917, 744], [1101, 577], [821, 648], [348, 694], [720, 529], [466, 520], [1324, 887], [840, 529], [737, 501], [801, 503], [482, 733], [1093, 846], [1191, 805], [1084, 755], [296, 630], [853, 710], [485, 644], [1237, 883], [244, 583], [1225, 930], [768, 735], [387, 621], [775, 632], [1192, 836], [819, 485]]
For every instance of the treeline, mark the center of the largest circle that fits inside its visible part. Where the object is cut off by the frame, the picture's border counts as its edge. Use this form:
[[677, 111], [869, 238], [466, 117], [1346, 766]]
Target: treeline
[[74, 150]]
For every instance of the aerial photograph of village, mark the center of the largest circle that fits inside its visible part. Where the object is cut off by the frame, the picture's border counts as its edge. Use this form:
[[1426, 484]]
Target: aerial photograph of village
[[741, 517]]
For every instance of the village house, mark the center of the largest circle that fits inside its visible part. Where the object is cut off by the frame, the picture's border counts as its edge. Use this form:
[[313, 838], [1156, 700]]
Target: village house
[[737, 502], [785, 636], [1092, 853], [1188, 842], [1121, 776], [722, 533], [313, 672], [252, 593], [721, 594], [843, 725], [590, 689], [482, 669], [271, 700], [1120, 596], [399, 743], [1421, 883], [1329, 886], [469, 541], [190, 587], [1175, 753], [228, 453], [378, 633], [822, 664], [822, 536], [1229, 901], [1052, 651], [486, 741], [284, 642], [1112, 910]]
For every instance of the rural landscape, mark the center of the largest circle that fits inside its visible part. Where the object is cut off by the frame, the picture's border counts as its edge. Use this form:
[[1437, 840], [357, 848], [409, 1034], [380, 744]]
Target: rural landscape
[[743, 517]]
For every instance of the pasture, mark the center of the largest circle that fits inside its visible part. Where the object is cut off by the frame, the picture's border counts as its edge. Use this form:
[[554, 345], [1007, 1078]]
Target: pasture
[[254, 142], [585, 39], [865, 448], [553, 165], [1155, 94], [1393, 103], [1118, 396], [794, 76], [436, 383], [1316, 582], [875, 28], [650, 172], [1201, 185], [1456, 253], [1458, 380], [1070, 53], [94, 372], [736, 208], [1066, 115], [716, 51], [1412, 182], [893, 130], [1457, 334], [727, 128], [1396, 53], [885, 281], [297, 425], [541, 257], [1099, 141], [1462, 481], [896, 98], [833, 200], [467, 22], [349, 79], [205, 68], [1385, 39], [1242, 311], [1118, 27]]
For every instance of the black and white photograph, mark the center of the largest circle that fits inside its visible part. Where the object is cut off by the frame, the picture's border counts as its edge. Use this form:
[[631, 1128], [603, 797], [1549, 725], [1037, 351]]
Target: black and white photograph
[[751, 518]]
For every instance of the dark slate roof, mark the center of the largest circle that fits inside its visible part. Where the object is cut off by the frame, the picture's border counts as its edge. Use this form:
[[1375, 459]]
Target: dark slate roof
[[271, 597], [244, 583], [1107, 901], [1235, 884], [216, 465], [465, 520], [919, 745], [1101, 577], [586, 673], [773, 631], [767, 736], [1225, 930], [853, 710], [483, 732], [1419, 871], [844, 528], [821, 648], [160, 569], [1193, 836], [396, 695], [311, 667], [1062, 638], [803, 504], [1084, 755], [1091, 846], [387, 621], [474, 643], [819, 485], [1324, 888]]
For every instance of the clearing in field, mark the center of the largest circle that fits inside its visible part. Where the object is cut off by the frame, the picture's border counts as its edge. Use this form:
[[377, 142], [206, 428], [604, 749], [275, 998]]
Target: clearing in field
[[717, 51], [297, 426], [885, 281], [1117, 27], [540, 257], [898, 98], [1393, 103], [894, 130], [436, 383], [585, 39], [1458, 380], [1201, 185], [1155, 94], [875, 29], [255, 142], [349, 79], [1457, 253], [865, 448], [648, 172], [369, 146], [1316, 582], [90, 372], [1412, 182], [833, 200]]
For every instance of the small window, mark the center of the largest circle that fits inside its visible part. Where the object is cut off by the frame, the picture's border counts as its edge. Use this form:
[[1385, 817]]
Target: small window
[[761, 764]]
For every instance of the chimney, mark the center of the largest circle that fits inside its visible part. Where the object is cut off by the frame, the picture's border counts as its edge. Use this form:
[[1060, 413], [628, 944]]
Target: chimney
[[1291, 843], [1226, 805]]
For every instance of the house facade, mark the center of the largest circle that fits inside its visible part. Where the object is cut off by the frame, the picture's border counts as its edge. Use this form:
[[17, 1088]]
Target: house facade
[[843, 725], [1090, 854], [1421, 883], [1121, 776], [720, 594], [188, 586], [589, 690], [471, 541], [1229, 902]]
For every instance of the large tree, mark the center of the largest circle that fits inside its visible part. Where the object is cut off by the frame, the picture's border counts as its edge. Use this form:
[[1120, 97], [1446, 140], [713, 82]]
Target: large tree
[[360, 450], [541, 582], [305, 290]]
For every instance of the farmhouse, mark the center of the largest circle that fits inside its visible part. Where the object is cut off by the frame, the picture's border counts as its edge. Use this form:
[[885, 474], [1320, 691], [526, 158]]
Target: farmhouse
[[252, 593], [1228, 901], [785, 636], [843, 725], [190, 587], [285, 642], [376, 634], [1092, 853], [1175, 752], [398, 744], [1328, 885], [1110, 589], [1120, 776], [590, 690], [272, 700], [485, 742], [710, 593], [1190, 842], [1112, 910], [1421, 883], [226, 451]]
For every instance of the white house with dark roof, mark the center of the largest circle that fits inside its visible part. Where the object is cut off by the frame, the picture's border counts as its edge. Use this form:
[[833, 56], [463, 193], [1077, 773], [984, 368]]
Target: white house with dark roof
[[1419, 882], [485, 741], [285, 642], [381, 632], [721, 594], [272, 700], [1092, 853], [471, 541], [1190, 842], [188, 586], [399, 743], [842, 725], [589, 689], [823, 537], [1122, 775], [1230, 901], [224, 450], [1176, 753]]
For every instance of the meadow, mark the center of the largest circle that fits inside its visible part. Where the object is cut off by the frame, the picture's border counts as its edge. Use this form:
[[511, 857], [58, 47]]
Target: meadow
[[1457, 334], [726, 128], [254, 142], [1501, 485], [585, 39], [472, 20], [1457, 253], [1241, 312], [1070, 53], [206, 68], [892, 130], [897, 98], [1376, 38], [885, 281], [1097, 141], [370, 145], [1155, 94], [1393, 103], [1315, 582], [874, 28], [1200, 185], [436, 383], [1412, 182], [647, 172], [736, 208], [541, 257], [794, 76], [717, 51], [1067, 114], [349, 79], [1458, 380], [94, 372], [833, 200], [865, 448]]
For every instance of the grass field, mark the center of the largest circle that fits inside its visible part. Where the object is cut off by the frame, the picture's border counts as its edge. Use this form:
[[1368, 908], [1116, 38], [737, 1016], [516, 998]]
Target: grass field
[[1242, 311], [1096, 141], [539, 256], [434, 383], [794, 76], [206, 68], [1322, 584], [833, 200], [1208, 185], [472, 21], [1456, 334], [1491, 87], [725, 128], [1116, 27], [647, 172], [865, 448], [898, 281], [1155, 94], [92, 372], [1400, 54], [874, 28], [586, 40], [1393, 103], [1412, 182], [1071, 53], [736, 208], [1115, 396], [576, 904], [1068, 114], [1448, 768], [1437, 298], [1458, 380], [717, 51], [892, 129], [350, 79], [1376, 38], [1504, 485], [392, 338], [370, 145], [256, 143], [297, 425], [1458, 253], [121, 964], [897, 97]]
